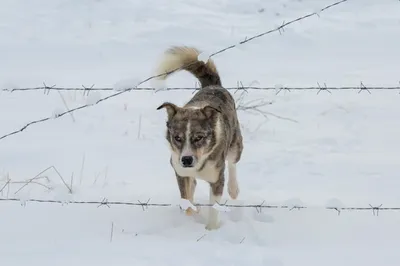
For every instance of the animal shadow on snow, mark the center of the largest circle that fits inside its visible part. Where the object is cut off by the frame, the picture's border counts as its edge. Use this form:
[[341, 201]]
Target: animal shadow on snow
[[173, 222]]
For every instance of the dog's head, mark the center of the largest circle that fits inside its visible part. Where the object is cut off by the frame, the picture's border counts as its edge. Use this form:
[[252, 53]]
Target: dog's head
[[191, 132]]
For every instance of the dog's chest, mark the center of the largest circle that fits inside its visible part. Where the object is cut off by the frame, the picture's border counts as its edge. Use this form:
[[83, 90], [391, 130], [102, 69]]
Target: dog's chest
[[209, 172]]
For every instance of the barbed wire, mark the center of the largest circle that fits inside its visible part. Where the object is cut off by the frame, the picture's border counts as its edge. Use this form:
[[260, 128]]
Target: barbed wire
[[279, 29], [258, 207], [86, 91]]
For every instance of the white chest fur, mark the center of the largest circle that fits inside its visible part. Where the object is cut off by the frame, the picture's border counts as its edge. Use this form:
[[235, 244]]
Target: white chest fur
[[208, 173]]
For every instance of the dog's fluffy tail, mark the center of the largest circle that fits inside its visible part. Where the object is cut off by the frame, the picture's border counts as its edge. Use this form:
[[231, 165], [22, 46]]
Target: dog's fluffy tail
[[186, 58]]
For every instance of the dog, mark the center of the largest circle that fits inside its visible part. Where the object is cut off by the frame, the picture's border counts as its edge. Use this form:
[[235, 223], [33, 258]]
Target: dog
[[204, 133]]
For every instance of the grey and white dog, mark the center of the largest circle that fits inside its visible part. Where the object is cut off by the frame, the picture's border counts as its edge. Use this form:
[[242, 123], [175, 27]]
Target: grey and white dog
[[204, 133]]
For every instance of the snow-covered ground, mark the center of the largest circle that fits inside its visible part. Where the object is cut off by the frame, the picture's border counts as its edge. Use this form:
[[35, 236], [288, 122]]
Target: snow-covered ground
[[339, 149]]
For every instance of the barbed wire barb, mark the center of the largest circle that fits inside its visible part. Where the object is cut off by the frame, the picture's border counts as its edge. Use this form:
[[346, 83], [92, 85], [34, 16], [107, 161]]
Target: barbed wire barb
[[325, 88], [172, 71], [375, 210], [104, 202], [240, 86], [46, 88], [145, 204], [281, 88], [282, 28], [297, 207], [87, 90], [259, 207], [338, 210], [363, 88], [196, 87]]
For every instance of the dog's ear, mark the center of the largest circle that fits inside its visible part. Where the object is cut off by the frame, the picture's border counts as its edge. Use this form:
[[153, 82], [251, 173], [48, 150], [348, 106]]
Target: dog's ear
[[209, 111], [172, 109]]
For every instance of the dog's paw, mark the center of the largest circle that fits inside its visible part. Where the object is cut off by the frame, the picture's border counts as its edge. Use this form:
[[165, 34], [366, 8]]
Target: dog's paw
[[212, 226], [190, 212], [233, 190]]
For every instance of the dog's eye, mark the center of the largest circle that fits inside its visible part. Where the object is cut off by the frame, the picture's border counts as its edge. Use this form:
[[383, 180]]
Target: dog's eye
[[197, 138], [178, 139]]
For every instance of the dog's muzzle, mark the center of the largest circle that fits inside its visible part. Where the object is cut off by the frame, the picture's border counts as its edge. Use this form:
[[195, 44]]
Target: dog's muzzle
[[187, 161]]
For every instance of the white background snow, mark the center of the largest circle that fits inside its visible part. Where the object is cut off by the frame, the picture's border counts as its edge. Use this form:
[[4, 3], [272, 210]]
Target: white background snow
[[339, 149]]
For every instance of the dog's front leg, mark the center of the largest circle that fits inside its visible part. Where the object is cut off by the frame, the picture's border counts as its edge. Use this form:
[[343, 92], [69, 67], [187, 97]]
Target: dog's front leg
[[187, 186], [216, 190]]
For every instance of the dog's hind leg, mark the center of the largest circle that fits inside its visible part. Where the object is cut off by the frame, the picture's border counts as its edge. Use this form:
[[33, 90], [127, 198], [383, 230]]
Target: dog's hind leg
[[233, 157], [233, 187], [187, 186]]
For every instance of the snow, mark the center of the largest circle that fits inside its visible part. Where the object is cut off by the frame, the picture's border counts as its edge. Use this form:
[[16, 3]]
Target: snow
[[93, 98], [126, 84], [338, 149], [204, 56]]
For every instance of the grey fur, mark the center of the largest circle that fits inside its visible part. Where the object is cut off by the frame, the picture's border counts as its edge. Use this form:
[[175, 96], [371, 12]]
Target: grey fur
[[205, 128]]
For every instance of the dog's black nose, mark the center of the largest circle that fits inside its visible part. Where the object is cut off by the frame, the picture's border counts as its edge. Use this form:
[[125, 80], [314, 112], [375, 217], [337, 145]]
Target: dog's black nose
[[187, 161]]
